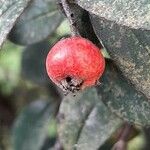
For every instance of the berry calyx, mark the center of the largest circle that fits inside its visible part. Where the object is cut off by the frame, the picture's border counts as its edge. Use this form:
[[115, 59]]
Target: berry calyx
[[75, 63]]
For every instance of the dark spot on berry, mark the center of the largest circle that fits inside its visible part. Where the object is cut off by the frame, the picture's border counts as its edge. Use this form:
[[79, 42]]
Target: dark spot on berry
[[72, 15], [70, 84], [68, 79]]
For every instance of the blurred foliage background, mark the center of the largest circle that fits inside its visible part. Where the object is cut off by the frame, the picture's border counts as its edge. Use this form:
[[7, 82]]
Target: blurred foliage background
[[23, 80]]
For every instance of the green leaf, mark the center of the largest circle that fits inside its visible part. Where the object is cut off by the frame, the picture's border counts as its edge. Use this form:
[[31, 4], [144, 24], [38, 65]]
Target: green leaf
[[129, 48], [31, 126], [33, 62], [10, 67], [132, 13], [85, 122], [37, 22], [99, 126], [9, 12], [122, 98]]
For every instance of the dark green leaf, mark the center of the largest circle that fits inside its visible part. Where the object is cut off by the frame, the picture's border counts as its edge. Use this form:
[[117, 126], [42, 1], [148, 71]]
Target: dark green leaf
[[9, 12], [37, 22], [31, 126], [33, 62], [122, 98], [83, 23], [129, 48], [85, 122], [132, 13]]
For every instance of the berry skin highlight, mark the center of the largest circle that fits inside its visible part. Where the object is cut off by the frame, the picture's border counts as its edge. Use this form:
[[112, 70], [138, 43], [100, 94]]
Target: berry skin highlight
[[75, 63]]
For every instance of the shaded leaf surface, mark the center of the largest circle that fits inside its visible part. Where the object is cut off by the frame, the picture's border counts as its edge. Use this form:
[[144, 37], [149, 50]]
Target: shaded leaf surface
[[99, 126], [129, 48], [132, 13], [37, 22], [83, 23], [33, 62], [121, 97], [9, 12], [30, 129], [85, 122]]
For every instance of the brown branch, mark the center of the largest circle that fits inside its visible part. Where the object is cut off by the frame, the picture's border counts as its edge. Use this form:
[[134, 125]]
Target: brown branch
[[71, 18], [124, 137]]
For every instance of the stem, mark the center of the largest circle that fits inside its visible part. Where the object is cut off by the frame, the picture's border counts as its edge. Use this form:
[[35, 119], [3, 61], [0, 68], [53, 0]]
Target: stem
[[57, 146], [124, 137], [126, 132], [71, 18]]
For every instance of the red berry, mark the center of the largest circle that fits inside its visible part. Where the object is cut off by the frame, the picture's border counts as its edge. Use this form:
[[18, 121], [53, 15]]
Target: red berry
[[75, 63]]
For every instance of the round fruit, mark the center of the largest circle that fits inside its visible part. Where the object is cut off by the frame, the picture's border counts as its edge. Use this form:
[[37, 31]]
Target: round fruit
[[75, 63]]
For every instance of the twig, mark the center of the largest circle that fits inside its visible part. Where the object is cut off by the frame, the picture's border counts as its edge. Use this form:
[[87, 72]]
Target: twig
[[71, 18], [124, 137]]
